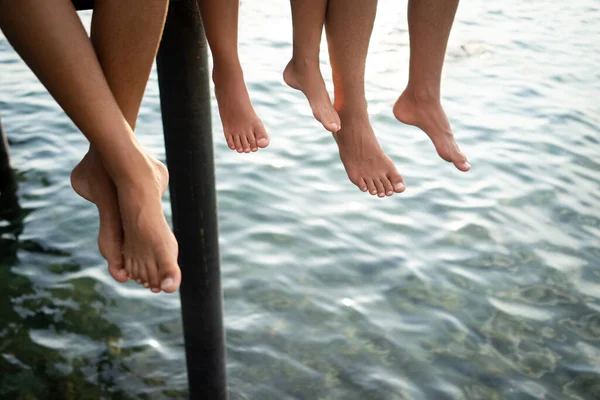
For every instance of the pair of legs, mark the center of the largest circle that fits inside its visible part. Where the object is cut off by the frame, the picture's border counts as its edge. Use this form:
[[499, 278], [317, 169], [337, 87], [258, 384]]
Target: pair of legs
[[349, 24], [100, 83]]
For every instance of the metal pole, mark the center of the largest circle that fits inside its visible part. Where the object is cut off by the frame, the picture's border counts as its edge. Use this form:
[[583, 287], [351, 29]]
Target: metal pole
[[83, 4], [9, 203], [4, 154], [183, 78]]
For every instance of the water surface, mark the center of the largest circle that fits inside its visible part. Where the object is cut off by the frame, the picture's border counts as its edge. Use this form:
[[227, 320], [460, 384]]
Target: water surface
[[469, 286]]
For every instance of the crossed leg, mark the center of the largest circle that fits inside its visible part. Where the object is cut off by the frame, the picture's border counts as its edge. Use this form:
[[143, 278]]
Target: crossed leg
[[61, 55], [125, 41], [243, 130], [348, 25], [303, 72], [429, 23]]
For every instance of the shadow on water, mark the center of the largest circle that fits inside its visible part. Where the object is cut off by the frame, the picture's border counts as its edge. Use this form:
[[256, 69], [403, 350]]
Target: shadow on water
[[29, 370]]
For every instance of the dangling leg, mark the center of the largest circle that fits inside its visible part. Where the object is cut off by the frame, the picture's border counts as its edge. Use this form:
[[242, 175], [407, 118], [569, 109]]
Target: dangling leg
[[61, 55], [349, 25], [125, 39], [429, 24], [303, 72], [244, 131]]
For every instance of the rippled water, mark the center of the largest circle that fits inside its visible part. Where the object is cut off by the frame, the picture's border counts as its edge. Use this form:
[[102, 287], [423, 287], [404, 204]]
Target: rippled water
[[469, 286]]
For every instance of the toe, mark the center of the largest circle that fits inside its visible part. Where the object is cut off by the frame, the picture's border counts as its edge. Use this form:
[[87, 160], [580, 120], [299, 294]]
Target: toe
[[362, 185], [461, 162], [458, 158], [129, 267], [117, 271], [358, 180], [238, 144], [262, 139], [135, 270], [389, 189], [397, 182], [152, 274], [463, 166], [371, 186], [245, 144], [252, 141], [171, 277], [380, 188], [327, 116], [144, 277], [230, 142]]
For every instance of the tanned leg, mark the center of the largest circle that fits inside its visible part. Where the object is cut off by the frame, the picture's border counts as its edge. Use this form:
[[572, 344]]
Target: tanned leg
[[429, 23], [51, 39], [303, 71], [244, 131], [348, 26], [125, 37]]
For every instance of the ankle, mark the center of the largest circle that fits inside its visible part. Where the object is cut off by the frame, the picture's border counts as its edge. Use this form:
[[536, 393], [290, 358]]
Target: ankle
[[134, 170], [423, 95], [226, 70], [344, 104], [304, 65]]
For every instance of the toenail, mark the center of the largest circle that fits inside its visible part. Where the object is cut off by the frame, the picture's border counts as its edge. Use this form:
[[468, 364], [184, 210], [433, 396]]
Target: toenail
[[373, 191], [155, 290], [262, 140], [334, 126], [122, 272], [167, 283], [146, 285], [390, 193], [399, 186]]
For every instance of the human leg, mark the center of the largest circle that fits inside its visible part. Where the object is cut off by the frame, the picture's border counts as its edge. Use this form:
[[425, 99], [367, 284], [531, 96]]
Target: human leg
[[348, 25], [243, 130], [61, 55], [303, 72], [125, 37], [429, 23]]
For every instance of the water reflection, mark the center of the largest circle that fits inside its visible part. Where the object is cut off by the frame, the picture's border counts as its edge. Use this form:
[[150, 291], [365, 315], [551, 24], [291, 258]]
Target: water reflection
[[33, 319]]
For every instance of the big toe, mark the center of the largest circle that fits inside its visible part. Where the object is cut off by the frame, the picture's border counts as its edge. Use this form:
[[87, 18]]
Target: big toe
[[461, 162], [326, 114], [397, 182], [170, 277], [262, 139], [449, 151], [117, 271]]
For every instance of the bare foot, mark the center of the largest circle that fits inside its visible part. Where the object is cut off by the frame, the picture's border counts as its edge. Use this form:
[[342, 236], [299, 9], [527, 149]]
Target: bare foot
[[427, 114], [308, 79], [91, 181], [149, 247], [368, 167], [244, 131]]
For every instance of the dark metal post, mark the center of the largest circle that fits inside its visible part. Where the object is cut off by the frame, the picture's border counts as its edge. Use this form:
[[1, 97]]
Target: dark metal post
[[83, 4], [183, 77], [9, 203], [4, 155]]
